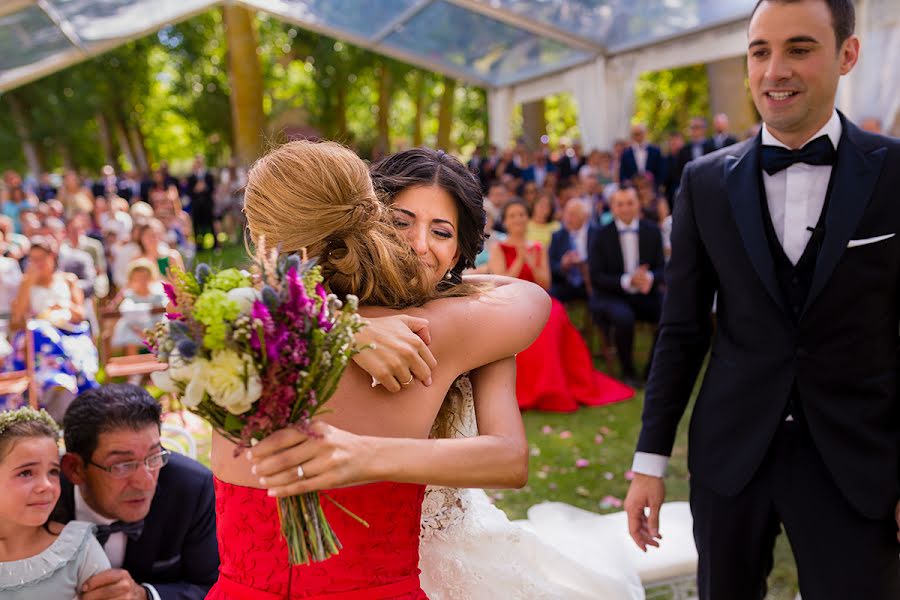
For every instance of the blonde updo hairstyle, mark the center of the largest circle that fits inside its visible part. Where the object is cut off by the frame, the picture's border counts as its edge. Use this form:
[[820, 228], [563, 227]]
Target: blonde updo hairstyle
[[319, 196]]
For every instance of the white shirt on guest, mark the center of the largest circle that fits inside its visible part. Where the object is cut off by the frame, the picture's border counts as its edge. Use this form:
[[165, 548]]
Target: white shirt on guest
[[640, 157], [631, 253], [117, 543], [796, 197]]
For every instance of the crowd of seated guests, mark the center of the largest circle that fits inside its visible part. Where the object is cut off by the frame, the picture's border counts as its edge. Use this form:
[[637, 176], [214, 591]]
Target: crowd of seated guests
[[595, 251], [75, 251]]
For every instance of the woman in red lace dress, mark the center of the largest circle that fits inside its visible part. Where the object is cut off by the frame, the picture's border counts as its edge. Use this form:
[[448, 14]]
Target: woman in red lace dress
[[328, 206], [555, 373]]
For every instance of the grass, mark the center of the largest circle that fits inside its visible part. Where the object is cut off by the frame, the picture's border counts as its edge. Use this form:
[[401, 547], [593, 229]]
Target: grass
[[605, 437]]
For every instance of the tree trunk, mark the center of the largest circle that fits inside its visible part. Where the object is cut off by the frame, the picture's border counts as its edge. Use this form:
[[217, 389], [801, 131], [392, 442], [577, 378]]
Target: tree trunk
[[340, 114], [445, 115], [124, 144], [68, 157], [245, 77], [137, 146], [385, 94], [23, 130], [419, 99], [106, 140]]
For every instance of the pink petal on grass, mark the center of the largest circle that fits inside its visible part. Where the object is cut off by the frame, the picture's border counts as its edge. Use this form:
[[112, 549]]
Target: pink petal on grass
[[552, 486], [564, 435], [581, 463], [629, 475], [546, 429], [598, 439], [604, 430], [610, 502], [608, 476]]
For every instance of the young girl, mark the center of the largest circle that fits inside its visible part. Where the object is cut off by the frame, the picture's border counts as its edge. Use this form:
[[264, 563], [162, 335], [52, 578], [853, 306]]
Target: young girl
[[143, 294], [38, 558]]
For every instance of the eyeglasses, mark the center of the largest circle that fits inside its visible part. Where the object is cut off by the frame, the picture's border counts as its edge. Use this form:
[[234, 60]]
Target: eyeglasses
[[126, 469]]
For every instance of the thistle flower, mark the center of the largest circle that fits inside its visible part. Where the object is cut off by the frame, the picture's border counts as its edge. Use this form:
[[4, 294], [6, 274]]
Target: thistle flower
[[202, 273]]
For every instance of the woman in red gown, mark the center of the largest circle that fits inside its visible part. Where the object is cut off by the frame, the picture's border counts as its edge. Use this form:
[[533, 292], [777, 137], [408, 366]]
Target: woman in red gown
[[556, 372], [330, 194]]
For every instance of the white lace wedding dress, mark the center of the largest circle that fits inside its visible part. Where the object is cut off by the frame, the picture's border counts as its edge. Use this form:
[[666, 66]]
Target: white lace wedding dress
[[470, 550]]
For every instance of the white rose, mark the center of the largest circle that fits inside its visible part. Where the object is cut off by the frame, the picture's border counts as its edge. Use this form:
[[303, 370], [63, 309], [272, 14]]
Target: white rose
[[179, 369], [196, 388], [244, 297], [163, 380], [232, 381]]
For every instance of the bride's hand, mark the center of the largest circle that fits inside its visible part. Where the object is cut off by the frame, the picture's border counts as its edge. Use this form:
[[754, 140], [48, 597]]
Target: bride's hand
[[400, 351], [329, 458]]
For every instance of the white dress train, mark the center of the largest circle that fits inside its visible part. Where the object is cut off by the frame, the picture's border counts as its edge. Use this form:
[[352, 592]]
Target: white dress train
[[470, 550]]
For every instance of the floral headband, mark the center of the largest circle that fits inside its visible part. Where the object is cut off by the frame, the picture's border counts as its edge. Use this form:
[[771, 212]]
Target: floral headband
[[26, 414]]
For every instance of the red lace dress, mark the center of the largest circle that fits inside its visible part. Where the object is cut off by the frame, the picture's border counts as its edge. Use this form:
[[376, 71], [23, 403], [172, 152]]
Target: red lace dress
[[376, 563], [556, 372]]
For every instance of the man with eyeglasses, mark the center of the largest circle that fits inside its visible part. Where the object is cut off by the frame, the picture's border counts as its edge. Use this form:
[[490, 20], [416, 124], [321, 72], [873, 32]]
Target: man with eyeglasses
[[155, 510]]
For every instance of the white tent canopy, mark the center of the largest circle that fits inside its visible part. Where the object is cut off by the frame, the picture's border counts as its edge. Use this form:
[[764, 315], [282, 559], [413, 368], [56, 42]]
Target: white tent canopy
[[519, 50]]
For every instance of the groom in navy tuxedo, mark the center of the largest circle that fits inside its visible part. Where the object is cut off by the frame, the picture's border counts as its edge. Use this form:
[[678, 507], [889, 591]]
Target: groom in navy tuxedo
[[155, 510], [797, 423]]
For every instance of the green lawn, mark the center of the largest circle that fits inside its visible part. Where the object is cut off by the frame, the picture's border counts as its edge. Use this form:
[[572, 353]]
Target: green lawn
[[605, 437]]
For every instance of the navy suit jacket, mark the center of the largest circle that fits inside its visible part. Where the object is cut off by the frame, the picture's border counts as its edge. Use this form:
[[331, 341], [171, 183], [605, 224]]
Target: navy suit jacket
[[177, 552], [560, 243], [838, 359], [628, 165], [607, 264]]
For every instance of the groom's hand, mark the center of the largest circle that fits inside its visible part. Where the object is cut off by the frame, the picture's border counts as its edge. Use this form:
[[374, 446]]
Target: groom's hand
[[645, 492], [897, 516]]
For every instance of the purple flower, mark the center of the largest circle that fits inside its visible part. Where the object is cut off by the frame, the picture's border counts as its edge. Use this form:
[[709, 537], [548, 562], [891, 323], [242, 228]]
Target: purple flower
[[170, 293]]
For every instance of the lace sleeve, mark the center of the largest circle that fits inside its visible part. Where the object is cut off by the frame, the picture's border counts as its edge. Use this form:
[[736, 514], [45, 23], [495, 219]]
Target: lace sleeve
[[443, 506]]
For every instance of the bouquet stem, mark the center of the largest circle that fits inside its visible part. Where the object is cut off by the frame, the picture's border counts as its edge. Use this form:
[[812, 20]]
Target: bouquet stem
[[307, 533]]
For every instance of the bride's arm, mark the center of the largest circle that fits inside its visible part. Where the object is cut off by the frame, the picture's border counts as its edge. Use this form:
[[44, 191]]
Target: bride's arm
[[497, 457]]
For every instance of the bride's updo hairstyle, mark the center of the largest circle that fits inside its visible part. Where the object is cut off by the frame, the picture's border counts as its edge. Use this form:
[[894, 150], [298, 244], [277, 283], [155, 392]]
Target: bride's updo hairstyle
[[319, 196]]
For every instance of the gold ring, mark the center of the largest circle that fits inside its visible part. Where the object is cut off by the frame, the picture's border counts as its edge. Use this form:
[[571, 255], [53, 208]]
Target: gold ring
[[410, 380], [299, 472]]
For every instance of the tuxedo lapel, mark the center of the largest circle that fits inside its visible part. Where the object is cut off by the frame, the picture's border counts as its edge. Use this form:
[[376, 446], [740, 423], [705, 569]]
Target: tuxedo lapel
[[614, 250], [856, 173], [742, 182]]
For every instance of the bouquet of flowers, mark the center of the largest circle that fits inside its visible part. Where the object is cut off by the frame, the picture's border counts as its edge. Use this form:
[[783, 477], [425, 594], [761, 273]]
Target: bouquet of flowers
[[255, 352]]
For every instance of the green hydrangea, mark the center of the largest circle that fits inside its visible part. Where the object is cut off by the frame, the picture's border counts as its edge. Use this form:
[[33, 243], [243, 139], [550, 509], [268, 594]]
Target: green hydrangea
[[215, 311], [227, 279]]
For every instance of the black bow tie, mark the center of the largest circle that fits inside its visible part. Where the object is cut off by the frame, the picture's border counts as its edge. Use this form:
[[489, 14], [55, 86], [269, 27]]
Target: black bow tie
[[820, 151], [132, 530]]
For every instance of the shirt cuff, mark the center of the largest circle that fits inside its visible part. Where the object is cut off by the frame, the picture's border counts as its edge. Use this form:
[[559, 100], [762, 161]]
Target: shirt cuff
[[653, 465], [153, 594], [625, 282]]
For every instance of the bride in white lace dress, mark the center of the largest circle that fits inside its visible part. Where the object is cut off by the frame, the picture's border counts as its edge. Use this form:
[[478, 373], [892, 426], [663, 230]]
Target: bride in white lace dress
[[470, 550]]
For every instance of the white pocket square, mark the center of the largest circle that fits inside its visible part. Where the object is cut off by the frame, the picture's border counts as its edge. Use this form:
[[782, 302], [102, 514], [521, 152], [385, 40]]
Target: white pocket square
[[871, 240]]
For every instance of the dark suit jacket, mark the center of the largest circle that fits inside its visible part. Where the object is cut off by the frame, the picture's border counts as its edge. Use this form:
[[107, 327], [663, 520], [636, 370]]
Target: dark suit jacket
[[709, 145], [840, 355], [606, 264], [177, 552], [628, 164], [560, 243]]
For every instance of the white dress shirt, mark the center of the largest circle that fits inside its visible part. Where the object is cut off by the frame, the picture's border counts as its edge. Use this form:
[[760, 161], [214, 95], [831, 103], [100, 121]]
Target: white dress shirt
[[629, 242], [640, 157], [116, 544], [580, 241], [796, 197]]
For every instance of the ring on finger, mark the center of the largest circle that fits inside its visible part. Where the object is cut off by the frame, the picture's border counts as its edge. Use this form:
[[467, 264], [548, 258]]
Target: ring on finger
[[411, 377], [299, 472]]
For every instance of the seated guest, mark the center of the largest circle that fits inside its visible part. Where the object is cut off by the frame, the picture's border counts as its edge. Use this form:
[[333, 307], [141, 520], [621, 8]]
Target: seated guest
[[626, 269], [141, 296], [149, 236], [155, 510], [65, 356], [10, 277], [556, 372], [568, 254], [542, 223]]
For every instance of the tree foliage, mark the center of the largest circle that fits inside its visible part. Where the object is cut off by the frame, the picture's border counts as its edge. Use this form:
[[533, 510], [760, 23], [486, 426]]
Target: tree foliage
[[666, 100]]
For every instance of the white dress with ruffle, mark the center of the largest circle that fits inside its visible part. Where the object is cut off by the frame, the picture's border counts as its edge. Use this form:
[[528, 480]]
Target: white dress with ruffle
[[59, 571], [470, 550]]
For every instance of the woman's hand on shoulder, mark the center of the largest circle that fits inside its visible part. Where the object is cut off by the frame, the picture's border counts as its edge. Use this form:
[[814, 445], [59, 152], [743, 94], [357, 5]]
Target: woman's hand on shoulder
[[397, 350], [292, 461]]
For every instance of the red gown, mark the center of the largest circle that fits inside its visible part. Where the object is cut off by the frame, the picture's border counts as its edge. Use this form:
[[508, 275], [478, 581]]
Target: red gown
[[556, 372], [376, 563]]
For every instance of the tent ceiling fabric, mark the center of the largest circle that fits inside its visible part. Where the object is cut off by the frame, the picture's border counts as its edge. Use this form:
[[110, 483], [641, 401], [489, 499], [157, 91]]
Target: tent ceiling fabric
[[488, 42]]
